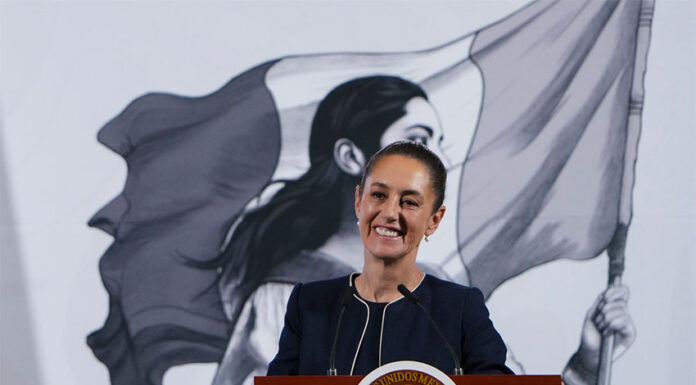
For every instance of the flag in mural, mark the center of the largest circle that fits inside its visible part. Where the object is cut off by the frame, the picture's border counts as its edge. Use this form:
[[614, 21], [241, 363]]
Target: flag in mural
[[535, 114]]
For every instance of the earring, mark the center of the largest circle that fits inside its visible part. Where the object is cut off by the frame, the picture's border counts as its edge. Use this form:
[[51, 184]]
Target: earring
[[426, 238], [357, 223]]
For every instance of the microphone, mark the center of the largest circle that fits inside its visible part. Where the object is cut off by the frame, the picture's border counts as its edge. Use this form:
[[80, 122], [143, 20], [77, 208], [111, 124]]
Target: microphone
[[411, 297], [347, 296]]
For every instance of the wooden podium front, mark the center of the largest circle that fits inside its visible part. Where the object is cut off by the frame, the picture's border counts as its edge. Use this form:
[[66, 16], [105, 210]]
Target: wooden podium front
[[459, 380]]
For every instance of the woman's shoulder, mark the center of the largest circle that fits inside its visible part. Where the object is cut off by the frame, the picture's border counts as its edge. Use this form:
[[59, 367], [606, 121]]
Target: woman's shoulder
[[446, 288], [327, 284]]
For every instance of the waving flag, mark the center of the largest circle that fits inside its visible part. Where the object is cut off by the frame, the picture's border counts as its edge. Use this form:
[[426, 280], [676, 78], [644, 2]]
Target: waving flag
[[536, 107], [543, 178]]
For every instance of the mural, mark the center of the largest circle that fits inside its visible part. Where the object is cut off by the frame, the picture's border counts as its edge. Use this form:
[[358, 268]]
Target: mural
[[233, 197]]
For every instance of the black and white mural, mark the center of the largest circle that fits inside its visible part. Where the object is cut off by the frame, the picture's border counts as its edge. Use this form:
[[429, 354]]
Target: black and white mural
[[238, 131]]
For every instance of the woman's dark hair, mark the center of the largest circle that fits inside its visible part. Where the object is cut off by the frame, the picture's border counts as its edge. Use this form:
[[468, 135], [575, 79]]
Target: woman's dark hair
[[421, 153], [306, 212]]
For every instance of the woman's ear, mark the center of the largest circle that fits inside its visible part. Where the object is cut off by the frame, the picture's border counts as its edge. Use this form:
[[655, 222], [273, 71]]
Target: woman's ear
[[349, 158], [435, 220]]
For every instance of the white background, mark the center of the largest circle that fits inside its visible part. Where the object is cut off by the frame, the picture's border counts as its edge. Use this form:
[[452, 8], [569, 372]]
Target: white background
[[66, 68]]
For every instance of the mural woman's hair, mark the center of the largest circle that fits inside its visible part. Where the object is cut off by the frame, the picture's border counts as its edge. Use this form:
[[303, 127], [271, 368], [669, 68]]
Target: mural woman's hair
[[307, 212]]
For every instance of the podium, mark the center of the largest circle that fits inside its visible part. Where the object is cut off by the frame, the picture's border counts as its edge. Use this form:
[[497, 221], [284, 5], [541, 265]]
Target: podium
[[459, 380]]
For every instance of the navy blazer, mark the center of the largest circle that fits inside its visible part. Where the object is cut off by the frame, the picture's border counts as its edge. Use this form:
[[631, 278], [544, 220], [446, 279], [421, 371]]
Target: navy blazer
[[312, 314]]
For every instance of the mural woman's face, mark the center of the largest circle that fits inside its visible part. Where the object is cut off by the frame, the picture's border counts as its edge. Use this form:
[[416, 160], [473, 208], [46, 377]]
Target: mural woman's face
[[419, 124]]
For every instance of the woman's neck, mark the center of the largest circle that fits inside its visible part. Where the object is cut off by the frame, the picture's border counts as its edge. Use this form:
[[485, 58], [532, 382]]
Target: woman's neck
[[379, 279]]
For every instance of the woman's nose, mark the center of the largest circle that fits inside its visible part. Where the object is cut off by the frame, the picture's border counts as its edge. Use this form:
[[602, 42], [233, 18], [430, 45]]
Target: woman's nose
[[391, 210]]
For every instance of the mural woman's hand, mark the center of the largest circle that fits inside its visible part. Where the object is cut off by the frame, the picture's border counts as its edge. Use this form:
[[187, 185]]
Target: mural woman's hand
[[609, 313]]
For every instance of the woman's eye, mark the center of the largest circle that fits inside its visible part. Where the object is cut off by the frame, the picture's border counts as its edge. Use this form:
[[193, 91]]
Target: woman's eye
[[410, 203], [378, 195]]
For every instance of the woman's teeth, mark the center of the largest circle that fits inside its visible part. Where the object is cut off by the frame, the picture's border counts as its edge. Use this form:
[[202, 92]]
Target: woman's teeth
[[385, 232]]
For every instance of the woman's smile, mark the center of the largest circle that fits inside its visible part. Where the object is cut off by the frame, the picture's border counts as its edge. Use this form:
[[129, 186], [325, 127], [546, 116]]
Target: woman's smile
[[387, 232]]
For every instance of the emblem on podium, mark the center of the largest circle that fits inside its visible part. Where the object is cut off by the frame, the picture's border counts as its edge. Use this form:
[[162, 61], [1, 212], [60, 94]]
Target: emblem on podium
[[406, 373]]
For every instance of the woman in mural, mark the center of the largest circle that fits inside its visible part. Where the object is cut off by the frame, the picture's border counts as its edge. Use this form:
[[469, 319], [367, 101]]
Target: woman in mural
[[306, 231]]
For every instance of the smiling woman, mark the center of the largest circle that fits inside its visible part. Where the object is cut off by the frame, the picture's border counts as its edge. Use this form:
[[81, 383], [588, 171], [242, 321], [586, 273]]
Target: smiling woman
[[398, 201]]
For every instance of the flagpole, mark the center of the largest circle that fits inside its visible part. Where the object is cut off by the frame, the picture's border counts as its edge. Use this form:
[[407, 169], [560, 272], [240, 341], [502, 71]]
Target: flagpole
[[617, 247], [616, 254]]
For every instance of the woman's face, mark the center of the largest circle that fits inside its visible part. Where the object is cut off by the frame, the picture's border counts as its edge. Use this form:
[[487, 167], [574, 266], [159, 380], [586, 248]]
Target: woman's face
[[395, 209], [419, 124]]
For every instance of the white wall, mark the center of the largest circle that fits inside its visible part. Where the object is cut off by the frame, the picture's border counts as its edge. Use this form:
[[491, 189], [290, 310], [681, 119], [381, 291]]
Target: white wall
[[68, 67]]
